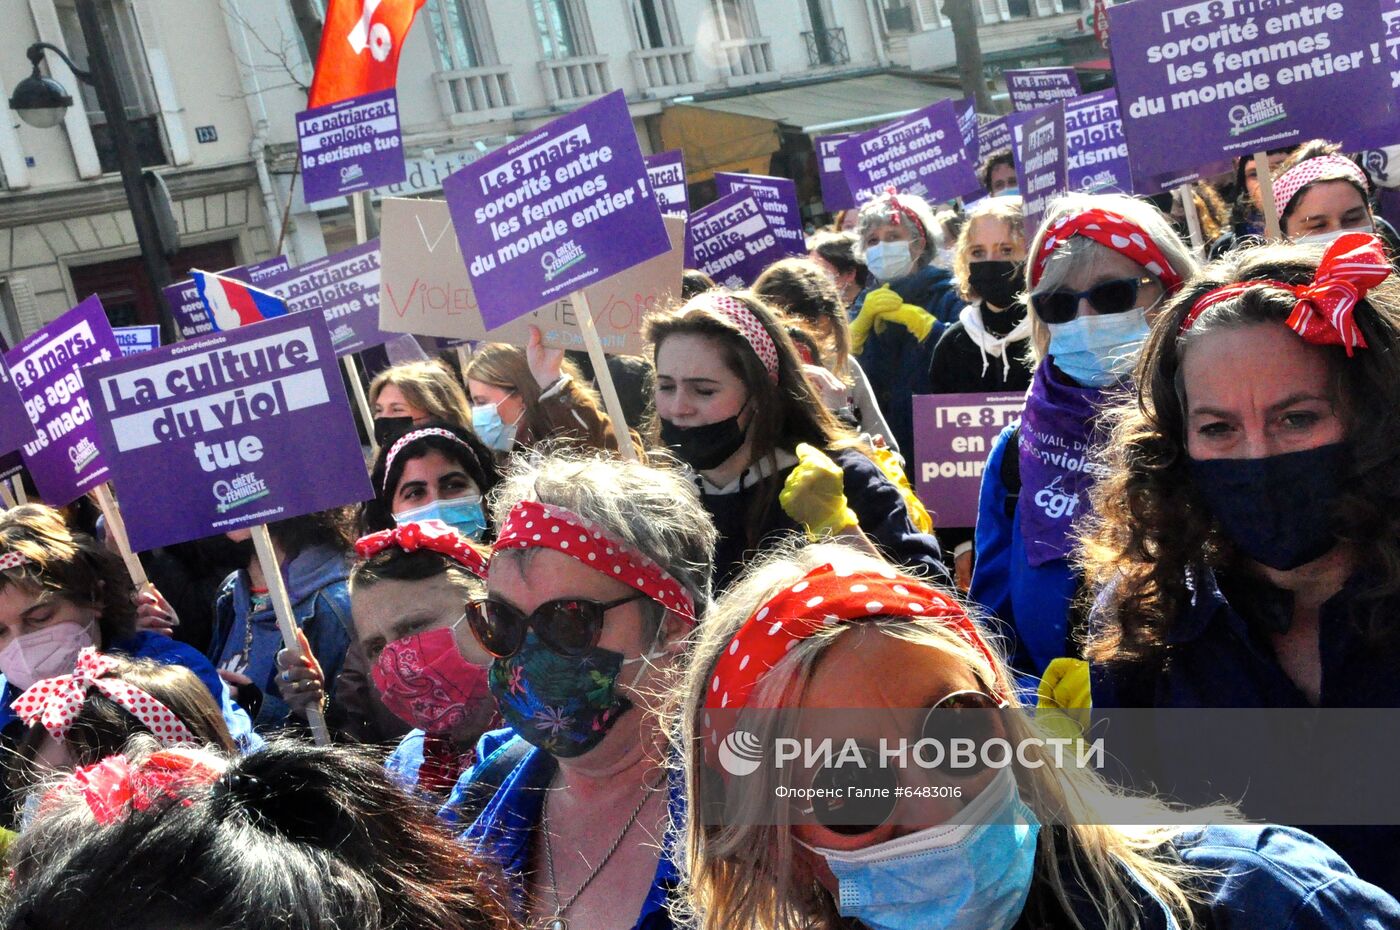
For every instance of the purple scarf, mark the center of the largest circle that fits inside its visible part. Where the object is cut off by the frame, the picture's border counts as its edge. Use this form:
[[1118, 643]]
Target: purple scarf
[[1056, 435]]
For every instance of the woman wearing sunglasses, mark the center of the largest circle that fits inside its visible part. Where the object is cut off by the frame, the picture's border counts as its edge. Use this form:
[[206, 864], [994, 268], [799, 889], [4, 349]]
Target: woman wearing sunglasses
[[598, 574], [1245, 534], [826, 640], [1100, 267]]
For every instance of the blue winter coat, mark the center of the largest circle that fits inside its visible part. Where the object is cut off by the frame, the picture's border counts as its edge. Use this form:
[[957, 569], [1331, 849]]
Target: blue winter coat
[[317, 583]]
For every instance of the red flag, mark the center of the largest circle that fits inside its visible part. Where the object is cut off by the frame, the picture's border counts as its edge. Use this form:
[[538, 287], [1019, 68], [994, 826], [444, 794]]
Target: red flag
[[360, 47], [1101, 22]]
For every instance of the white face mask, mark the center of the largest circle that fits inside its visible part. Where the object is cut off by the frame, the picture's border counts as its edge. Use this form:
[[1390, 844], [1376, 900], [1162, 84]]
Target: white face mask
[[45, 653], [1327, 238], [889, 261]]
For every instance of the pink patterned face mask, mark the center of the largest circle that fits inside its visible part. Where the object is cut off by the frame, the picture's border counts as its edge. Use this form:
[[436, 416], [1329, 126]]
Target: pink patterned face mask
[[425, 681]]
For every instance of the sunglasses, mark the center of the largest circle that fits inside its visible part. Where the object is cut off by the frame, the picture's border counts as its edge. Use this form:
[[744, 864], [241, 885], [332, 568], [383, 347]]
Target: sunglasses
[[570, 626], [1106, 297]]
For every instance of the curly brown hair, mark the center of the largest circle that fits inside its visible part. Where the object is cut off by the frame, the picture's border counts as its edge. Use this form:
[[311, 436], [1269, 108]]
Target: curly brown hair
[[1148, 530]]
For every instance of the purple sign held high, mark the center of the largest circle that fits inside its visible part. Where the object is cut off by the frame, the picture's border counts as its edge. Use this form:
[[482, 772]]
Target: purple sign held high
[[921, 154], [993, 135], [1033, 88], [1040, 166], [555, 211], [258, 272], [353, 145], [953, 434], [666, 174], [1232, 78], [242, 428], [777, 198], [344, 288], [731, 241], [836, 193], [15, 428], [63, 457], [1094, 145]]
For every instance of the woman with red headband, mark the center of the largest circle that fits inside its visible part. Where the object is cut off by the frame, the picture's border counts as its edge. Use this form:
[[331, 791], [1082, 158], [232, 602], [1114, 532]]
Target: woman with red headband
[[599, 573], [884, 833], [1099, 269], [1245, 534]]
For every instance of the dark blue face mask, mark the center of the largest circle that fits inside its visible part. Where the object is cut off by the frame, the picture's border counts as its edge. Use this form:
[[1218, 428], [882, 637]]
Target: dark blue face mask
[[1281, 510]]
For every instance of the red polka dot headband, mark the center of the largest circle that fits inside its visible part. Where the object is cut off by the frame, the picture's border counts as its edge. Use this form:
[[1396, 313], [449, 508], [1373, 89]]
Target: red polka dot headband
[[824, 597], [433, 535], [413, 435], [12, 559], [1111, 231], [1325, 314], [749, 326], [55, 702], [533, 525], [1313, 169]]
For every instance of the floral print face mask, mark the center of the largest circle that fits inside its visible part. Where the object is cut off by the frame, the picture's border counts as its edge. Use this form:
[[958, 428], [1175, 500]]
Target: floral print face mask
[[565, 705]]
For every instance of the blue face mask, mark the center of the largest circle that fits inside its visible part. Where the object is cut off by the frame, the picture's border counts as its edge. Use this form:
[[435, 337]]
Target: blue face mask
[[972, 873], [463, 514], [491, 429], [1099, 351]]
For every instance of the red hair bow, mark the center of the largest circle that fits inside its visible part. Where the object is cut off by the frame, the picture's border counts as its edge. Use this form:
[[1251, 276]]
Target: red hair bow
[[114, 787], [428, 534], [55, 702]]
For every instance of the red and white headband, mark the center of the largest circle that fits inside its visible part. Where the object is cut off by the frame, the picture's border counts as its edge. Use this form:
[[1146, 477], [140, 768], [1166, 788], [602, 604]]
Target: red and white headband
[[900, 208], [55, 702], [1111, 231], [413, 435], [824, 597], [749, 326], [433, 535], [1325, 311], [533, 525], [13, 559], [1288, 184]]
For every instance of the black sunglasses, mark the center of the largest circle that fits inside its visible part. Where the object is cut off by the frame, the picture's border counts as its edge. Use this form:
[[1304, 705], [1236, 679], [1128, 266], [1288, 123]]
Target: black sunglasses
[[1106, 297], [570, 626]]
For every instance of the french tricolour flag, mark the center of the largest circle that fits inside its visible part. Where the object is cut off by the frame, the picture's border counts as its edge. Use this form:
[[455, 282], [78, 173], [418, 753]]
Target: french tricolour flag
[[232, 304]]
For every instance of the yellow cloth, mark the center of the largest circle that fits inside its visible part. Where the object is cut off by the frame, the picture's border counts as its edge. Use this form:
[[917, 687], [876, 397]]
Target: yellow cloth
[[1063, 700], [815, 495]]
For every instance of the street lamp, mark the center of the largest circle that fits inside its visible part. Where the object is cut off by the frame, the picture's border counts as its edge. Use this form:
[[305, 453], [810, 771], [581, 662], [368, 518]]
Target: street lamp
[[42, 102]]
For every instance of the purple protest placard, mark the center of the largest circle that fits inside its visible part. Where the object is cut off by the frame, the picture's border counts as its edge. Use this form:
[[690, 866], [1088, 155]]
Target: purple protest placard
[[1040, 160], [258, 272], [555, 211], [344, 288], [242, 428], [15, 428], [777, 198], [1094, 145], [133, 340], [1235, 77], [353, 145], [993, 134], [1033, 88], [63, 457], [953, 434], [921, 154], [836, 193], [731, 241], [666, 175]]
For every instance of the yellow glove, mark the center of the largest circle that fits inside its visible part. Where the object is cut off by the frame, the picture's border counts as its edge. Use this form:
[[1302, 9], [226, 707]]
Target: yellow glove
[[878, 302], [1063, 700], [814, 494], [893, 469]]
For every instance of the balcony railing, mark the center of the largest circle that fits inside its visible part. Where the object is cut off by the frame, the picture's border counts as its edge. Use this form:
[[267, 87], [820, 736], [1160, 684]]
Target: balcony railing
[[827, 47], [747, 60], [477, 94], [569, 81], [666, 71]]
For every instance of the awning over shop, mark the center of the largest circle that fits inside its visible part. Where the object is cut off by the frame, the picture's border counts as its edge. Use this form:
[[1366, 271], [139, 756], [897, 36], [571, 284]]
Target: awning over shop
[[723, 133]]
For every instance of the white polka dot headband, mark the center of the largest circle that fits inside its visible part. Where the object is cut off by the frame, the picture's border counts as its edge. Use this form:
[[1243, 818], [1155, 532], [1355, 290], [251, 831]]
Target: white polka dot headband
[[55, 702], [824, 597], [412, 436], [533, 525], [1111, 231], [749, 326], [1305, 172]]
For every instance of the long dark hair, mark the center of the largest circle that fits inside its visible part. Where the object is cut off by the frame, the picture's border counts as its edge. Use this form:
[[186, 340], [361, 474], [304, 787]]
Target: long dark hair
[[1147, 530], [467, 451]]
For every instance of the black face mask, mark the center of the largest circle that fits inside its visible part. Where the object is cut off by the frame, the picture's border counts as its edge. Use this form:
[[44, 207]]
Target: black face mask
[[704, 447], [1279, 510], [387, 429], [997, 282]]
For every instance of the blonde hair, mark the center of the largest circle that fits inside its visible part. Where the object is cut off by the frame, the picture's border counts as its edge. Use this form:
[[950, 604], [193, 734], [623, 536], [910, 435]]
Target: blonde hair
[[1008, 210], [429, 385], [1080, 253], [508, 368], [744, 873]]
